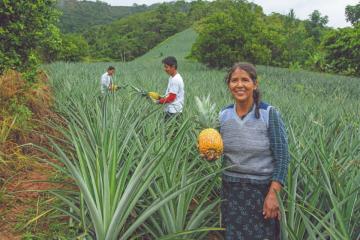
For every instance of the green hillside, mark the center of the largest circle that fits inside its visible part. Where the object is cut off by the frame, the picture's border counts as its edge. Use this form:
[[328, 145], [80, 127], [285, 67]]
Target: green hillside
[[77, 16], [178, 45]]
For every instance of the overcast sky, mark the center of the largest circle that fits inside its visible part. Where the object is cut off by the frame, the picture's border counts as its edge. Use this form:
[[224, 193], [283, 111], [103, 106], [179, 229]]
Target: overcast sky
[[334, 9]]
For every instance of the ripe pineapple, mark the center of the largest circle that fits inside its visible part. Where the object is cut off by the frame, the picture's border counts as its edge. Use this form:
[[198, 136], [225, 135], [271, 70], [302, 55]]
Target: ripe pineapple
[[210, 143], [113, 87], [153, 95]]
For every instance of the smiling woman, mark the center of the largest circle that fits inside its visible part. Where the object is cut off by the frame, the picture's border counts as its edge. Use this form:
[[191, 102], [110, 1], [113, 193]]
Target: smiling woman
[[256, 154]]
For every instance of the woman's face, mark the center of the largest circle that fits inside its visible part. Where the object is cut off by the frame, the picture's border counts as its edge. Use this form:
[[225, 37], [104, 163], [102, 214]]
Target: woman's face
[[241, 86]]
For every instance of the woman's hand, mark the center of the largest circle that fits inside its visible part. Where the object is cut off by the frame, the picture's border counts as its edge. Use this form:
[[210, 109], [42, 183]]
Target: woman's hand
[[271, 205], [210, 156]]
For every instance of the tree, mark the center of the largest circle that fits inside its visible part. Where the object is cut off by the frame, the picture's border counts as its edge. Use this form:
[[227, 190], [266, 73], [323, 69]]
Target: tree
[[342, 48], [316, 25], [132, 36], [24, 27], [233, 33], [73, 48], [199, 9], [353, 14], [78, 16]]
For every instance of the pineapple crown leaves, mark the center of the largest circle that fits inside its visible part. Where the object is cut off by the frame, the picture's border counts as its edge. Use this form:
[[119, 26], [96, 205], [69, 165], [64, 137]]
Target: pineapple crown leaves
[[207, 115]]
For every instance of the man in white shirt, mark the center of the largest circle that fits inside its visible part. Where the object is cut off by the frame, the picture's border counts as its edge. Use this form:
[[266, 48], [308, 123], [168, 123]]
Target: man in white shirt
[[106, 79], [174, 95]]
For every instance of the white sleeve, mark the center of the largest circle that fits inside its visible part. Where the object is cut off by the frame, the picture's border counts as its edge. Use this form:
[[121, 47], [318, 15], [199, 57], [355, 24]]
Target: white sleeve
[[174, 86], [105, 81]]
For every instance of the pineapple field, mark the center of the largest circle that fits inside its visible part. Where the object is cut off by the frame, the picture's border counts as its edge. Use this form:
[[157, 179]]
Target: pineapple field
[[134, 176]]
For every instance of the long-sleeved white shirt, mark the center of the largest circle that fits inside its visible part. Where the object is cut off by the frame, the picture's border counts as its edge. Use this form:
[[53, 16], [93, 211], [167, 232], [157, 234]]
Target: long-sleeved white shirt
[[106, 80]]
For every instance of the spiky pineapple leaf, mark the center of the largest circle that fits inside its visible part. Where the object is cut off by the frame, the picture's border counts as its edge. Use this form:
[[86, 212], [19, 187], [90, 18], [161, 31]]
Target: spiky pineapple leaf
[[207, 114]]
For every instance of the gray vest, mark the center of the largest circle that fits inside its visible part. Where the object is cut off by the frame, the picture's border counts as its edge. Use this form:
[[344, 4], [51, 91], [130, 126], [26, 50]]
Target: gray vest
[[246, 144]]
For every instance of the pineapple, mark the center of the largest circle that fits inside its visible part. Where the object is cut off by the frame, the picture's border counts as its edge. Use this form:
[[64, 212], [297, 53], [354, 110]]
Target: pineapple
[[113, 88], [210, 143], [153, 95]]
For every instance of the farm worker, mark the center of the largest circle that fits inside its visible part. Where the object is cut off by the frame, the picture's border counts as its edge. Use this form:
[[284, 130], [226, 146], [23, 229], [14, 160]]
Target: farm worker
[[106, 79], [174, 95], [256, 152]]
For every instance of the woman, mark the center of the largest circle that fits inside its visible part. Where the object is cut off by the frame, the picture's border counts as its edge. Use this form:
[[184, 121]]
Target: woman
[[256, 159]]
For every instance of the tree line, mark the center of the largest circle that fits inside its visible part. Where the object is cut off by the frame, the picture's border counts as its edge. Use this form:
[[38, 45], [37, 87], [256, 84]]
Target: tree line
[[238, 30], [34, 32]]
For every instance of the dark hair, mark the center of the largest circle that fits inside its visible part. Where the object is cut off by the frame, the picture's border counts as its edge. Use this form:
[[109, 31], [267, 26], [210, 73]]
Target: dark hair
[[171, 61], [110, 68], [251, 70]]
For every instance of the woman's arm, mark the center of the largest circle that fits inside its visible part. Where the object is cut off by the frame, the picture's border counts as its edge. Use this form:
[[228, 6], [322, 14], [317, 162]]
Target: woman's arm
[[279, 149], [278, 146]]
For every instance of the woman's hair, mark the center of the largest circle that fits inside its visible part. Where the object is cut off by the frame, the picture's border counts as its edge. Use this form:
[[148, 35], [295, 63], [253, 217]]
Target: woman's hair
[[251, 70]]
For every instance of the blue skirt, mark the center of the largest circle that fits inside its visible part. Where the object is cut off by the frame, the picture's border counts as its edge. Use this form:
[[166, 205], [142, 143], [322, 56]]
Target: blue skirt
[[242, 209]]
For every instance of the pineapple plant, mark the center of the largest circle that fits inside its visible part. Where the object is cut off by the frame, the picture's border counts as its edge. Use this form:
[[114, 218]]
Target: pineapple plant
[[210, 144]]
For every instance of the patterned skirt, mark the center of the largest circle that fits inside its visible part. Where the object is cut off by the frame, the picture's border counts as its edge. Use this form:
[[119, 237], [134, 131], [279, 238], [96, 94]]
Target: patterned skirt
[[242, 209]]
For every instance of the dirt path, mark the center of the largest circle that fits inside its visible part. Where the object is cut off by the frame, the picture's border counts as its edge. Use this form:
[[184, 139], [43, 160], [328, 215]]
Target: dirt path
[[22, 194]]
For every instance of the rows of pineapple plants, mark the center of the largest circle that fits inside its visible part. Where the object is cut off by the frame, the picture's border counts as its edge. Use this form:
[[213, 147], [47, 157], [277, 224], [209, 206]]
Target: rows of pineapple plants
[[137, 178], [145, 179]]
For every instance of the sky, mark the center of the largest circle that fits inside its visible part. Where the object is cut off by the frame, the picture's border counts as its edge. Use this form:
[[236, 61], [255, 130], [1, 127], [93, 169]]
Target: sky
[[334, 9]]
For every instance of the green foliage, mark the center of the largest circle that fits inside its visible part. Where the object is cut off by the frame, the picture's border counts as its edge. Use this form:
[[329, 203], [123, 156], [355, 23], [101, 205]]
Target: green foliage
[[238, 31], [342, 49], [133, 36], [43, 222], [71, 47], [353, 13], [229, 31], [286, 36], [316, 61], [232, 34], [78, 16], [24, 27], [74, 48], [22, 112], [199, 9], [315, 25]]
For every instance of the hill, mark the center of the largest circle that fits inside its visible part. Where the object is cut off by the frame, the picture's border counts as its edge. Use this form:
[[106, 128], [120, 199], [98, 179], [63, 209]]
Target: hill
[[77, 16]]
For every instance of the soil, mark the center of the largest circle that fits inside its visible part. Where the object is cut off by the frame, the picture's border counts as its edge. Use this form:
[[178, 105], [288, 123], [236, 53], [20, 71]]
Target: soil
[[23, 178], [22, 194]]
